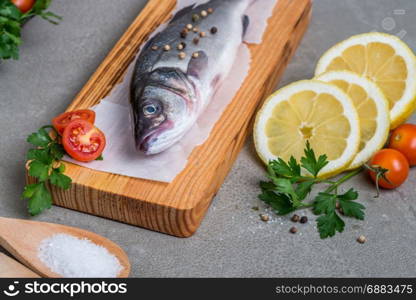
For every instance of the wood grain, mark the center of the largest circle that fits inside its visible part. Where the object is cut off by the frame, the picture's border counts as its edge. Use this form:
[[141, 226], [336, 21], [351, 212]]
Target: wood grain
[[10, 268], [178, 208]]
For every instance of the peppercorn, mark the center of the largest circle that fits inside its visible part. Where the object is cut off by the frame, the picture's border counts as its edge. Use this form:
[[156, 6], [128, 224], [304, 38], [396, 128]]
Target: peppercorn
[[362, 239], [295, 218], [202, 34], [189, 26], [182, 55], [195, 55], [184, 33], [293, 230], [210, 10], [196, 41], [195, 18], [214, 30], [304, 220], [196, 29], [154, 48], [166, 48], [204, 13], [264, 218]]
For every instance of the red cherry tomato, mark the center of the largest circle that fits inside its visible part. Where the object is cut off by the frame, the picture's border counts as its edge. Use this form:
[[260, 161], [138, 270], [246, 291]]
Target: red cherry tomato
[[83, 141], [396, 164], [24, 5], [403, 139], [61, 121]]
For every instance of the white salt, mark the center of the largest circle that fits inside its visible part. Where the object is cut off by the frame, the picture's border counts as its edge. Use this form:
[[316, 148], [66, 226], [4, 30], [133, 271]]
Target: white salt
[[72, 257]]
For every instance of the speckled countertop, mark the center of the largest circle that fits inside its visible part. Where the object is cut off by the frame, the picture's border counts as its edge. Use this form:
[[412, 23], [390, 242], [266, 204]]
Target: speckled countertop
[[232, 241]]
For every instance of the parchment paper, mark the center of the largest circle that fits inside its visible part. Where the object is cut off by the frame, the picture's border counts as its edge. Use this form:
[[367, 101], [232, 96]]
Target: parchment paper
[[113, 113]]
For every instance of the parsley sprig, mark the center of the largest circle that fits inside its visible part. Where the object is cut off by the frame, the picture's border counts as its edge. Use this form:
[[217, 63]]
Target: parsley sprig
[[44, 164], [288, 188], [12, 20]]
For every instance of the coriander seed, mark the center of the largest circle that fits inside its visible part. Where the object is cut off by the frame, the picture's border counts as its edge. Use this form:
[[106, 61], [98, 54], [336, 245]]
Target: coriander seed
[[264, 218], [195, 18], [362, 239], [295, 218]]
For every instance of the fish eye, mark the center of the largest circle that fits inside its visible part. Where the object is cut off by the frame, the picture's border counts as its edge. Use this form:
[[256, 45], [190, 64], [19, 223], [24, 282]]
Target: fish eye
[[149, 109]]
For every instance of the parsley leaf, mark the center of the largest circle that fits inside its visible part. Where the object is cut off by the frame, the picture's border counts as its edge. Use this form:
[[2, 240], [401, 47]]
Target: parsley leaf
[[287, 189], [304, 188], [11, 22], [310, 163], [329, 224], [280, 203], [60, 180], [44, 164], [324, 203], [39, 170], [40, 138], [349, 207], [39, 198]]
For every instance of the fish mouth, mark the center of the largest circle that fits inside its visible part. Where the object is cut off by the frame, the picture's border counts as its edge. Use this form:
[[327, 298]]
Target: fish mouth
[[145, 143]]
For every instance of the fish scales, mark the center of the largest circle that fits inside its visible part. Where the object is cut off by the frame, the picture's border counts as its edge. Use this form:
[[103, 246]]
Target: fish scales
[[169, 93]]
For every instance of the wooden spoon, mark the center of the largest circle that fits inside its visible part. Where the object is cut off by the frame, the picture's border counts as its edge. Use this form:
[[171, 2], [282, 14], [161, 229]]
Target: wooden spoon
[[21, 238], [9, 268]]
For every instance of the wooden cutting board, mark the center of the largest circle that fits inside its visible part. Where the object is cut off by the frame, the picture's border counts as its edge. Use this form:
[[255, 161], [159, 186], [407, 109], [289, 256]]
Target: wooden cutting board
[[10, 268], [178, 208]]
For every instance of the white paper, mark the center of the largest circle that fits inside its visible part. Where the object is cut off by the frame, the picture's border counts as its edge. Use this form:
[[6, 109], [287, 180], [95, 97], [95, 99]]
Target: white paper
[[113, 114]]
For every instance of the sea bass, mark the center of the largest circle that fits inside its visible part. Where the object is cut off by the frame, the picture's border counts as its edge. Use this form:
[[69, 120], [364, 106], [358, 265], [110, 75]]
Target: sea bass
[[181, 67]]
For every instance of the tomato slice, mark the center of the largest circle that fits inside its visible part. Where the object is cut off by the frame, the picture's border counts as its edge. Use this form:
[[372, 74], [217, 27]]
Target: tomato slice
[[24, 5], [83, 141], [61, 121]]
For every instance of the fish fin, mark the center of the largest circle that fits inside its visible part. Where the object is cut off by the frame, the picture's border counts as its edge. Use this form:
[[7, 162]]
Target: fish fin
[[246, 23], [197, 66], [182, 12]]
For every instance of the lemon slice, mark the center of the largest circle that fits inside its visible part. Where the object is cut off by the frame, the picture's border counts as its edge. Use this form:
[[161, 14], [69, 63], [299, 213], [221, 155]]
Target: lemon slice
[[373, 111], [308, 110], [384, 59]]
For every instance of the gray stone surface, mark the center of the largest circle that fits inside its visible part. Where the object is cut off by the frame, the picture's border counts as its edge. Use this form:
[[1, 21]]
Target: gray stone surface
[[55, 63]]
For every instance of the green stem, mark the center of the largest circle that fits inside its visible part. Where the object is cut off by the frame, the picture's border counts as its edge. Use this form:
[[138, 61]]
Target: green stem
[[342, 180], [334, 186]]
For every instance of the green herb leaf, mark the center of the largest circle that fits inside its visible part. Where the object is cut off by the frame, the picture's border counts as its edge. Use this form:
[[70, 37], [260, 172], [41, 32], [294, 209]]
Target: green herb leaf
[[285, 186], [42, 155], [39, 170], [40, 138], [39, 198], [100, 158], [288, 188], [324, 203], [57, 151], [328, 225], [46, 167], [60, 180], [310, 163], [304, 188], [283, 169], [280, 203], [349, 207]]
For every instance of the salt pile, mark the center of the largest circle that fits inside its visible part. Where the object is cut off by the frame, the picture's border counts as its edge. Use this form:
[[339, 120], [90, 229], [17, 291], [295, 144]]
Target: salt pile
[[72, 257]]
